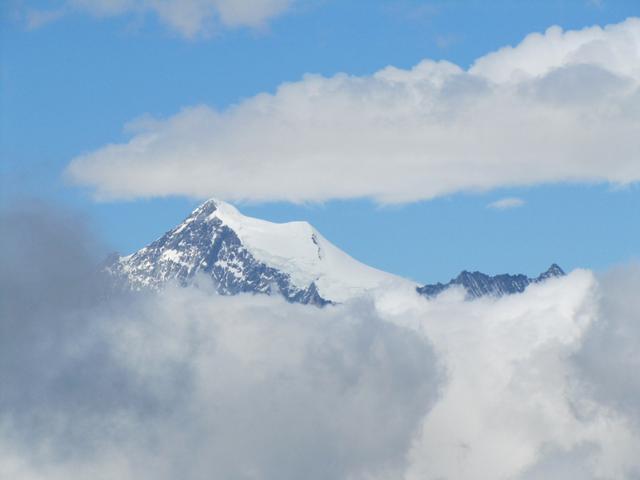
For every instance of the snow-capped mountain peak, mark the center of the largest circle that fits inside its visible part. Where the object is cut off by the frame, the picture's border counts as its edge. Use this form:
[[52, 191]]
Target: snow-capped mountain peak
[[245, 254]]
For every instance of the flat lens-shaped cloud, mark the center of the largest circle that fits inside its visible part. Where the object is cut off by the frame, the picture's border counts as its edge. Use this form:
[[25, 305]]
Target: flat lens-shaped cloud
[[559, 107]]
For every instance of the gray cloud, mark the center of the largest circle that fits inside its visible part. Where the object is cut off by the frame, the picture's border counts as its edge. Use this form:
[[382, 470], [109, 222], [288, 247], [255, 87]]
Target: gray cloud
[[610, 355], [187, 384], [572, 464], [54, 360], [602, 388]]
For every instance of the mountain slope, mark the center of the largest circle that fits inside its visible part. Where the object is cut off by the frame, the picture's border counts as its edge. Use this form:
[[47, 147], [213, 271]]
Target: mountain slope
[[478, 284], [244, 254]]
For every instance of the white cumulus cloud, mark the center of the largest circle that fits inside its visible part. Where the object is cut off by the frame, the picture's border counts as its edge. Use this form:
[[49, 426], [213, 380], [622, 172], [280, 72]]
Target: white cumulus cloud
[[187, 17], [558, 107]]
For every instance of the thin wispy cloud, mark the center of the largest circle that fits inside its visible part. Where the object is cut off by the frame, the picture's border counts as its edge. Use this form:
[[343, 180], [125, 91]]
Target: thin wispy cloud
[[506, 203], [38, 18], [559, 106], [189, 18], [448, 40]]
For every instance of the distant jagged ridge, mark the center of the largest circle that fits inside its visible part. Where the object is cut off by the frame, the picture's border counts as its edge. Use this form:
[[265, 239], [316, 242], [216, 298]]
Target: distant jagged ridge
[[478, 284]]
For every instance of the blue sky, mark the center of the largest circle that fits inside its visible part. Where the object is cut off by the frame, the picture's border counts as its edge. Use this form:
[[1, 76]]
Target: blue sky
[[69, 87]]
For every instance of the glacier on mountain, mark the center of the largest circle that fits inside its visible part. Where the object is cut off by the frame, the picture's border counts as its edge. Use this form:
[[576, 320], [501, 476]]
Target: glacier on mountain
[[244, 254]]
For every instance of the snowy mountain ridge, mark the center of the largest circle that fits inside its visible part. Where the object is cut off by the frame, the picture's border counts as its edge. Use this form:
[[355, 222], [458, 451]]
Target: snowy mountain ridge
[[244, 254]]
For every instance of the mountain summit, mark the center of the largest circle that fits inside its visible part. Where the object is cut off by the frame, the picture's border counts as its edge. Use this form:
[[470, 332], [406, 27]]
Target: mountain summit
[[244, 254]]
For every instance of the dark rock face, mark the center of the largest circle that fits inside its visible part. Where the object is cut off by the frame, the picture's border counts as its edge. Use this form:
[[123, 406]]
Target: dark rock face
[[202, 244], [478, 284]]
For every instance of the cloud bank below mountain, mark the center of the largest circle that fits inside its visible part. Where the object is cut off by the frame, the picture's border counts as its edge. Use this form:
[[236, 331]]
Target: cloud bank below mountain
[[562, 106], [187, 384], [191, 385]]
